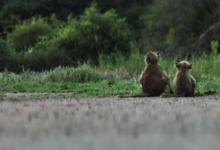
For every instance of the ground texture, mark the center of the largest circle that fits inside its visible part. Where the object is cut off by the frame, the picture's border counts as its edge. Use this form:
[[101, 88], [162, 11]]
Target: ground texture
[[111, 124]]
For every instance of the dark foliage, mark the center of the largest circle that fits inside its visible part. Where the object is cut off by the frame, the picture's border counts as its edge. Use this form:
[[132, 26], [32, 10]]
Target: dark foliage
[[46, 33], [75, 42], [176, 25], [5, 55]]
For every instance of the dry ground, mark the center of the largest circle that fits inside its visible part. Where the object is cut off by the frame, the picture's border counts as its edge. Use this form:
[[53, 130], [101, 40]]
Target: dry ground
[[111, 124]]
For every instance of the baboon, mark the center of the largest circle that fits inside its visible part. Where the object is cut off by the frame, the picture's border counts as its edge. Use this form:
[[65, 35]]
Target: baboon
[[153, 79], [184, 82]]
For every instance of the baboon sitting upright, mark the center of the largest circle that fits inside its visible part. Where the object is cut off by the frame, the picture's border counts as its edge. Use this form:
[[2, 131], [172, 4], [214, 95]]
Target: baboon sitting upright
[[184, 82], [153, 79]]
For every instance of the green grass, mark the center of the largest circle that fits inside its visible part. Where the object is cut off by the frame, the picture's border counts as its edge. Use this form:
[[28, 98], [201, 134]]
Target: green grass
[[115, 76], [83, 81]]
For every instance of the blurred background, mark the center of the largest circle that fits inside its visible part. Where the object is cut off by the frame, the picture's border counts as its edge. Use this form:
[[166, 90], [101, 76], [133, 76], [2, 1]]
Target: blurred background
[[43, 34]]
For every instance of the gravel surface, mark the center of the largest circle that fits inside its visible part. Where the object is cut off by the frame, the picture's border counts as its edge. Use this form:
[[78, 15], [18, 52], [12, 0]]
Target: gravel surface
[[111, 124]]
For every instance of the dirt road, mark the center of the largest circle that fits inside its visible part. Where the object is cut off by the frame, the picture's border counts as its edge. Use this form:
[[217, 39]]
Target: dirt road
[[111, 124]]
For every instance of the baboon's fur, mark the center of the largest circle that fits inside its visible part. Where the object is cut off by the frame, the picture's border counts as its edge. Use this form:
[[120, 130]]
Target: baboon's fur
[[184, 82], [153, 79]]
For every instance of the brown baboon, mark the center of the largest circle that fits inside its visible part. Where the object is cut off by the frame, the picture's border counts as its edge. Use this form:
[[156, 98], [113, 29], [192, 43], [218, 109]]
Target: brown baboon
[[153, 79], [184, 82]]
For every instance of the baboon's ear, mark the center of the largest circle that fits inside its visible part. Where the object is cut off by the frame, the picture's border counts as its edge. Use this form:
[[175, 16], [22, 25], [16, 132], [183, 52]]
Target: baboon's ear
[[178, 65], [190, 66]]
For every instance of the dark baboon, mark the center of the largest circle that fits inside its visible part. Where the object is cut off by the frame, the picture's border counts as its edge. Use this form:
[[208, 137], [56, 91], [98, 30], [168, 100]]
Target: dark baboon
[[184, 82], [153, 79]]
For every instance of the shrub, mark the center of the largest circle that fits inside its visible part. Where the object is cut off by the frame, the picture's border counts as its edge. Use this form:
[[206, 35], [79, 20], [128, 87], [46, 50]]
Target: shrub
[[82, 40], [28, 33], [78, 41], [25, 40]]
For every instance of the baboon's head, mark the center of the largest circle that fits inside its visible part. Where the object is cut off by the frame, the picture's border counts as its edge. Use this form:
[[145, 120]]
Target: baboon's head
[[152, 58], [183, 66]]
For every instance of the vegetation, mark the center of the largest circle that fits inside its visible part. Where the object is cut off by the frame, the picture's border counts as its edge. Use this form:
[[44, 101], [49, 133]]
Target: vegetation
[[28, 33], [4, 54], [110, 78], [40, 44], [98, 49], [81, 81]]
